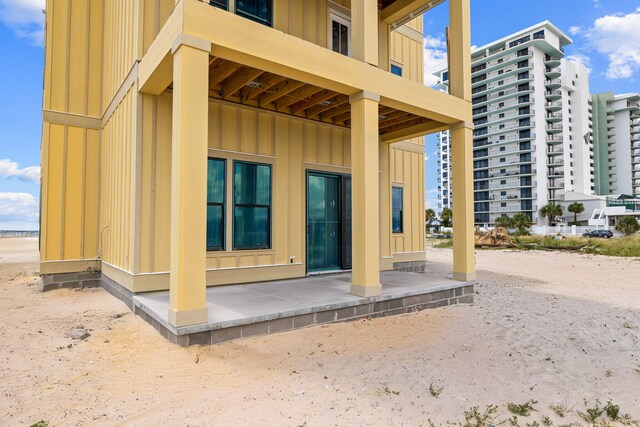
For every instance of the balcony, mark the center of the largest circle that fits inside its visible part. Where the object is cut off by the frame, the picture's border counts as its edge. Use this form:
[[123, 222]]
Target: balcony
[[558, 151], [553, 128], [553, 84], [555, 162], [553, 73], [497, 164], [512, 150], [554, 140], [554, 106], [553, 185], [553, 95], [554, 117], [552, 62], [286, 74]]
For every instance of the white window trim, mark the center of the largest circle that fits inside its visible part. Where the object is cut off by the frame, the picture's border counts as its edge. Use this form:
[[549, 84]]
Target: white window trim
[[343, 19]]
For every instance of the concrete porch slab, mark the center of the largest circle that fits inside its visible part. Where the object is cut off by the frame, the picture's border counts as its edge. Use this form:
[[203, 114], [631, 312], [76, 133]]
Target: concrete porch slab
[[252, 309]]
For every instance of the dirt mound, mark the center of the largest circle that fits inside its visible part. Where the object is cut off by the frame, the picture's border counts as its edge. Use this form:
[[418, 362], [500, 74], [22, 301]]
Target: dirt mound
[[499, 236]]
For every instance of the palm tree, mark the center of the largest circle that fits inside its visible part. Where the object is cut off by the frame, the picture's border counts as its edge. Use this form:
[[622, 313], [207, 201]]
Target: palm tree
[[429, 216], [445, 217], [521, 222], [505, 221], [628, 225], [576, 208], [551, 211]]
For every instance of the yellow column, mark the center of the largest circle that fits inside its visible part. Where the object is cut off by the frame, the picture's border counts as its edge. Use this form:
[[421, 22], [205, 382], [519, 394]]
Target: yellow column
[[365, 280], [364, 30], [464, 264], [188, 301], [461, 142], [460, 49]]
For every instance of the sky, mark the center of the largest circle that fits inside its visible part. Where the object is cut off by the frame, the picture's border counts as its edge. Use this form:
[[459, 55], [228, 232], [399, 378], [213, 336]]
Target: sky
[[605, 32]]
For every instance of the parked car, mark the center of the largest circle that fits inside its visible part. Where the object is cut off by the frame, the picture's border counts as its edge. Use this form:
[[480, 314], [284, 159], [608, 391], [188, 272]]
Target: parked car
[[598, 233]]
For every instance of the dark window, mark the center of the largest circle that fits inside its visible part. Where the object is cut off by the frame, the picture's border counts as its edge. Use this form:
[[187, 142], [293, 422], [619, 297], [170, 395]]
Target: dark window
[[251, 206], [223, 4], [215, 204], [478, 68], [538, 35], [397, 203], [256, 10], [396, 70], [340, 39]]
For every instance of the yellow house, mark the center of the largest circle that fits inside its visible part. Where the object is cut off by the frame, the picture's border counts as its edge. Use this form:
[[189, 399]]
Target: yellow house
[[191, 143]]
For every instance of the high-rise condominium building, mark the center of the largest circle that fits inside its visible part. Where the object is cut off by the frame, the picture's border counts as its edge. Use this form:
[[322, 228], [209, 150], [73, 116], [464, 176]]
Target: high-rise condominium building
[[444, 170], [616, 135], [532, 130]]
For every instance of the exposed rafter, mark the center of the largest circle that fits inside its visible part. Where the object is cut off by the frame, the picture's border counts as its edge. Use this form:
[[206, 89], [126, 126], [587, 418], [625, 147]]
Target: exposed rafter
[[279, 90], [238, 81], [221, 72]]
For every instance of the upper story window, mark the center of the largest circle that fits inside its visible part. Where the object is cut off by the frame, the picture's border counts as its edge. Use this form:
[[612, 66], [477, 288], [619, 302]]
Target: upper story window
[[257, 10], [340, 34], [223, 4], [397, 70]]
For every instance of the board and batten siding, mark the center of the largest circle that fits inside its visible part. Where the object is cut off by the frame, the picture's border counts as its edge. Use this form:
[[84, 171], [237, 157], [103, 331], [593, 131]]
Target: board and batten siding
[[70, 133]]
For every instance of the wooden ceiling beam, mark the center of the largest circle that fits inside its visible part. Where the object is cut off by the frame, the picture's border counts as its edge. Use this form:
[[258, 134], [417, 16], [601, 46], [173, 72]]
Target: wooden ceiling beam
[[295, 96], [266, 81], [335, 111], [342, 117], [316, 99], [239, 80], [414, 122], [397, 120], [335, 102], [383, 110], [279, 90], [221, 72]]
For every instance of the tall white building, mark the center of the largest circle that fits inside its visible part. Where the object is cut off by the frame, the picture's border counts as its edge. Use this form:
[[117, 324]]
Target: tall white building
[[444, 170], [532, 137], [616, 133]]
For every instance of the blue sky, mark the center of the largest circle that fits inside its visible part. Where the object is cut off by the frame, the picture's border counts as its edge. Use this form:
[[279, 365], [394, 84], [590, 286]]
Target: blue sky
[[605, 32]]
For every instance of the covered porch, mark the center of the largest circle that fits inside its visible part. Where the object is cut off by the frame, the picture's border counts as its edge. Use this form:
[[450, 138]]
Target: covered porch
[[203, 53], [238, 311]]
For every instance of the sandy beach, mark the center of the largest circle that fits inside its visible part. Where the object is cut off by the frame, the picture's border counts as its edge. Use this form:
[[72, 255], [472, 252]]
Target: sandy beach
[[558, 328]]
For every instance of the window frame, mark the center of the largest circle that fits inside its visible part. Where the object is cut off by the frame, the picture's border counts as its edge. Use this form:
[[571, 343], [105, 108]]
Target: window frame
[[269, 207], [223, 204], [342, 19], [394, 209], [253, 17], [397, 67], [217, 3]]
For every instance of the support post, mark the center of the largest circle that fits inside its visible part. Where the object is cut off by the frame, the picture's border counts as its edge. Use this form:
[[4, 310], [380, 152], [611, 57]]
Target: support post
[[460, 49], [188, 252], [364, 23], [365, 279], [464, 267]]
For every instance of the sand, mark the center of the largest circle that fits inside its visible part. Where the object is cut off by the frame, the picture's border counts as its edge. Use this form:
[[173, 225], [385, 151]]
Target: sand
[[558, 328]]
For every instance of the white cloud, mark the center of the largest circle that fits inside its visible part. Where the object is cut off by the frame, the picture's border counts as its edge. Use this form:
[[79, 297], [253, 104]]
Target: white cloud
[[25, 18], [575, 30], [596, 4], [617, 37], [23, 207], [435, 57], [582, 59], [9, 169]]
